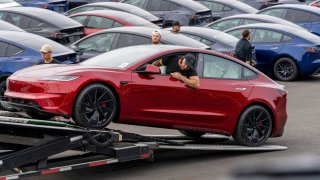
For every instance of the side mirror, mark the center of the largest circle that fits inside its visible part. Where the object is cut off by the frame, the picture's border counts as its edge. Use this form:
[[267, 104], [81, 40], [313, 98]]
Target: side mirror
[[74, 47], [150, 69]]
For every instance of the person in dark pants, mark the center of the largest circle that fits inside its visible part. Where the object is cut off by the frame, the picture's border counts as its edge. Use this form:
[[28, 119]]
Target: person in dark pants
[[175, 27], [181, 68], [244, 48], [46, 52]]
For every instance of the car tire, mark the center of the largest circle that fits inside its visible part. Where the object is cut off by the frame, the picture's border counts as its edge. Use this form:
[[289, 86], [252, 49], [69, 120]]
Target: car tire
[[96, 106], [285, 69], [254, 126], [191, 133], [39, 115], [3, 87]]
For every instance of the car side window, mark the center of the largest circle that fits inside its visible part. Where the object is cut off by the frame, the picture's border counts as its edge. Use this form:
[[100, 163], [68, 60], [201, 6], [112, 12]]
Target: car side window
[[35, 23], [1, 15], [236, 33], [227, 8], [173, 7], [250, 21], [98, 43], [3, 49], [261, 35], [273, 12], [99, 22], [286, 38], [297, 16], [314, 18], [13, 50], [213, 6], [117, 24], [226, 24], [220, 68], [131, 40], [158, 5], [79, 19], [138, 3], [82, 9], [18, 20], [200, 39]]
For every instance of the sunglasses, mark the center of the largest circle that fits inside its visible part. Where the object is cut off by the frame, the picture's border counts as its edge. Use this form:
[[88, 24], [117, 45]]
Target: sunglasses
[[45, 52]]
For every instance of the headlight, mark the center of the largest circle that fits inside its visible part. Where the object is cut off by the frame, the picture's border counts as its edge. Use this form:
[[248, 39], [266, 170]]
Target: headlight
[[60, 78]]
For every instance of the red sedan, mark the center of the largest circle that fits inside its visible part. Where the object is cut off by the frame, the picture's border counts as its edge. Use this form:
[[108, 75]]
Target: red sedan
[[95, 21], [121, 86], [315, 3]]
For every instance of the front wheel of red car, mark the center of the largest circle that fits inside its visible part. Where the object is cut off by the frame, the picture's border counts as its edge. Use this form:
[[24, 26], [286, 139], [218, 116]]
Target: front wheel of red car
[[254, 126], [95, 106]]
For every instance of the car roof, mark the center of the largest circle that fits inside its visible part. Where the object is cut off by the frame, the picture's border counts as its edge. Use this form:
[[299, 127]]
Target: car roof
[[127, 8], [165, 35], [49, 16], [9, 27], [283, 28], [191, 5], [260, 17], [113, 13], [301, 7], [211, 34], [237, 4]]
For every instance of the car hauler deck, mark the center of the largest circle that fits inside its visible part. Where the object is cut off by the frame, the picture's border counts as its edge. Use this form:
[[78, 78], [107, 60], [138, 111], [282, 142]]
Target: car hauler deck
[[31, 147]]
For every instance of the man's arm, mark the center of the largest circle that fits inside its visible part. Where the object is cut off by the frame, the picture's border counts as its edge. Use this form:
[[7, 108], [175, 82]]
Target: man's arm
[[192, 81], [248, 54], [158, 63]]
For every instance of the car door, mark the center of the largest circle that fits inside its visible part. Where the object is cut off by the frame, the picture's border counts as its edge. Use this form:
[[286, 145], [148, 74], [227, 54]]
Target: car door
[[97, 23], [126, 39], [223, 90], [94, 45], [267, 44], [161, 100], [216, 9], [19, 20]]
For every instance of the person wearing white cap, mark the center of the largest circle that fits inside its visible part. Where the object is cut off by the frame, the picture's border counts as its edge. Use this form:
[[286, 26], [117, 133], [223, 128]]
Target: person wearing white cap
[[156, 36], [46, 52]]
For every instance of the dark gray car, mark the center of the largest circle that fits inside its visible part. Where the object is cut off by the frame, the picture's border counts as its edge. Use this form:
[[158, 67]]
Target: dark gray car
[[44, 22], [118, 7], [187, 12], [217, 40], [225, 8], [243, 19], [115, 38]]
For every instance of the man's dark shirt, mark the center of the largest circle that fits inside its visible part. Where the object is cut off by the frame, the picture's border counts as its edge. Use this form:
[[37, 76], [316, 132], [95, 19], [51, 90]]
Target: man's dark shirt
[[54, 61], [172, 63], [243, 50]]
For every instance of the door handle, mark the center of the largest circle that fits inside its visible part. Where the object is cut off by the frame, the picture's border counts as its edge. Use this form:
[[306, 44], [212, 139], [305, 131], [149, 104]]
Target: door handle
[[274, 48], [241, 89]]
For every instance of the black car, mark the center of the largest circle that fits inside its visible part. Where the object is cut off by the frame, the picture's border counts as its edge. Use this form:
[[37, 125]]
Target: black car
[[115, 38], [225, 8], [44, 22], [217, 40], [9, 27], [187, 12], [243, 19], [118, 7]]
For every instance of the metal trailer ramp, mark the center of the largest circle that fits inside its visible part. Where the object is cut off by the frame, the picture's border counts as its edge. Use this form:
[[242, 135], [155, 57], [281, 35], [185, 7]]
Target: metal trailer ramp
[[27, 146]]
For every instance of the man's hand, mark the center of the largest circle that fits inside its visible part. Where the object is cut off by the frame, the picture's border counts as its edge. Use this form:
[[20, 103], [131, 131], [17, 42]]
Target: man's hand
[[176, 75]]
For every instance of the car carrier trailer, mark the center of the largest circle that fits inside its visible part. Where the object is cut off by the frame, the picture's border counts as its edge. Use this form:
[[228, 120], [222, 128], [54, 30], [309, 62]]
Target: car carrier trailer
[[30, 147]]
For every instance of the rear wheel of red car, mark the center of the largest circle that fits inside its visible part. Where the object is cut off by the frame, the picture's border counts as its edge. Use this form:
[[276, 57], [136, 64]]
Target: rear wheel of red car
[[95, 106], [4, 106], [254, 126], [38, 115], [191, 133], [285, 69]]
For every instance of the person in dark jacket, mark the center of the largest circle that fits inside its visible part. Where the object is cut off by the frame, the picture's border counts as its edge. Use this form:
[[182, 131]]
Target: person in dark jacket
[[175, 27], [244, 48], [46, 52]]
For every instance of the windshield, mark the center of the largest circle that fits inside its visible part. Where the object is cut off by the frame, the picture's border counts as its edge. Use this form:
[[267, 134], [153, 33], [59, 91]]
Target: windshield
[[122, 58]]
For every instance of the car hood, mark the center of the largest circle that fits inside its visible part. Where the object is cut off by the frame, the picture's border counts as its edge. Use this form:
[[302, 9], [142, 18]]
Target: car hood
[[45, 70]]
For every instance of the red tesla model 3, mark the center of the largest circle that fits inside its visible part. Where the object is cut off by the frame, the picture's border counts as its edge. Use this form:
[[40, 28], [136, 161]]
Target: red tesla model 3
[[121, 86]]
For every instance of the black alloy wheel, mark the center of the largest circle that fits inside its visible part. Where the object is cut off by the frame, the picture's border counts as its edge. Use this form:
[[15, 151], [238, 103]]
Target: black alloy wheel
[[4, 106], [254, 126], [95, 106], [285, 69]]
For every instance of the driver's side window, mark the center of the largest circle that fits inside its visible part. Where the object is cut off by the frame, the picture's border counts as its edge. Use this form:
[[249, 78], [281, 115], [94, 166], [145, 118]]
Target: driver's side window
[[98, 43]]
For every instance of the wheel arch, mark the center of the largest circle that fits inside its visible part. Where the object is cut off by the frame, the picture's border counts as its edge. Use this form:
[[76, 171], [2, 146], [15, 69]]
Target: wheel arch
[[110, 86]]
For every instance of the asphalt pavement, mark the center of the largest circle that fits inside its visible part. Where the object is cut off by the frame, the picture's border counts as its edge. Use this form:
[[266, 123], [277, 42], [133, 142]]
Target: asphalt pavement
[[301, 136]]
